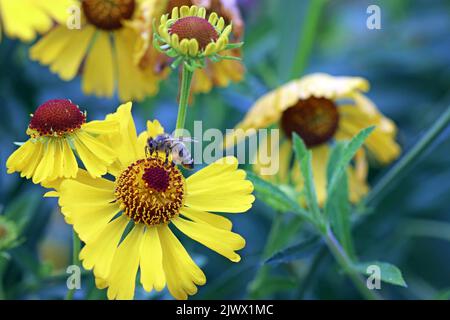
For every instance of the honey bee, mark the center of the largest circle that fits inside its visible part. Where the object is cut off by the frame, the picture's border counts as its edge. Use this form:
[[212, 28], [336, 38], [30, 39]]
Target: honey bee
[[168, 144]]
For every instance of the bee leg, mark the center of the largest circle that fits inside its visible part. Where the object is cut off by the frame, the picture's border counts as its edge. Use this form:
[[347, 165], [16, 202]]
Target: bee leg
[[167, 156]]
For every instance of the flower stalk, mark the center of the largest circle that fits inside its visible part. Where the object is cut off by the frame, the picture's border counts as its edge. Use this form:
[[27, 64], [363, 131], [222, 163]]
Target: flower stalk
[[185, 89], [76, 247], [345, 262]]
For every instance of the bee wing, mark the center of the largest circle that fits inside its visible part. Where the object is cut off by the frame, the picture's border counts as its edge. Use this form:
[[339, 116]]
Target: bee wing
[[182, 139]]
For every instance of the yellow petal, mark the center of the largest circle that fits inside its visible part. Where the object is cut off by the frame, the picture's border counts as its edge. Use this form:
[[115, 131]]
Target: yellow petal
[[125, 142], [98, 76], [102, 127], [124, 267], [219, 188], [182, 274], [45, 168], [380, 143], [77, 193], [24, 18], [99, 254], [69, 58], [212, 219], [26, 158], [152, 272], [70, 163], [224, 242], [94, 155], [133, 83], [47, 50]]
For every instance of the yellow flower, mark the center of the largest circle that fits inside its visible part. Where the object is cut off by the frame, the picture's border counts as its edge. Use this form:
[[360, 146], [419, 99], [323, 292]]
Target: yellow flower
[[219, 73], [56, 129], [102, 50], [147, 197], [23, 19], [321, 108], [188, 37]]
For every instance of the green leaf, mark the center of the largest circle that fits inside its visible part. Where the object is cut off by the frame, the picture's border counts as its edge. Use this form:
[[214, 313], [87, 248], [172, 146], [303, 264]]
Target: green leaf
[[304, 157], [388, 272], [443, 295], [23, 208], [348, 153], [282, 233], [302, 250], [273, 196], [266, 284], [337, 206]]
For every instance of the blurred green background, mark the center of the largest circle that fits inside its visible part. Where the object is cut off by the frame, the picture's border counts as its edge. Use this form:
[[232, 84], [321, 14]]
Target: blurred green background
[[408, 65]]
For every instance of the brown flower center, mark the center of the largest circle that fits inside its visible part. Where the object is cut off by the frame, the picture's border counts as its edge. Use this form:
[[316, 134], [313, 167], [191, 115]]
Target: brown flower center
[[195, 28], [3, 232], [315, 120], [108, 14], [151, 191], [56, 117]]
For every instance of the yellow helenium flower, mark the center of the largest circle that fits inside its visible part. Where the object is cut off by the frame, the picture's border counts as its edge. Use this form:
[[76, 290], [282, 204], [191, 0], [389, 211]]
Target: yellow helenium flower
[[190, 38], [149, 196], [321, 108], [23, 19], [56, 129], [102, 50], [219, 73]]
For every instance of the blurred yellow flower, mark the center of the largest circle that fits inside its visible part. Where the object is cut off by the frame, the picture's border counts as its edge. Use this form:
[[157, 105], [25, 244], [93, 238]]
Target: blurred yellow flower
[[23, 19], [56, 130], [321, 108], [102, 50], [148, 194]]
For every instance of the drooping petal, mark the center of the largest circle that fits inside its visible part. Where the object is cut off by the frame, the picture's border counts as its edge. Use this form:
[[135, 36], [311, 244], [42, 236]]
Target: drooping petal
[[45, 168], [222, 241], [70, 164], [99, 253], [151, 261], [26, 158], [95, 155], [133, 83], [182, 274], [124, 267], [24, 18], [67, 56], [98, 75], [381, 143]]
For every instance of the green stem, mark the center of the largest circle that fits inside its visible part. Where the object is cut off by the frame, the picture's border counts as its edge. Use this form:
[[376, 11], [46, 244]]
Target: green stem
[[409, 159], [345, 262], [307, 37], [76, 247], [3, 264], [185, 89]]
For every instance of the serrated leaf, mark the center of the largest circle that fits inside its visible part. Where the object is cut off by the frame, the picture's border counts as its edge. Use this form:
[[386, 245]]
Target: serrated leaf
[[273, 196], [281, 234], [304, 156], [272, 285], [337, 206], [348, 153], [388, 272], [302, 250]]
